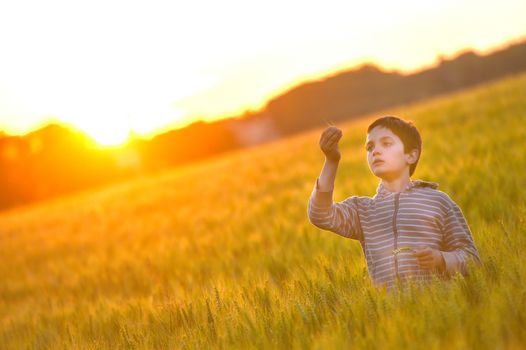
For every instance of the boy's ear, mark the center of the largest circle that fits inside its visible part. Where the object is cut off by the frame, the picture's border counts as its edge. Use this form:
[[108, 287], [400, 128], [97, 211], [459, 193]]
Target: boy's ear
[[412, 156]]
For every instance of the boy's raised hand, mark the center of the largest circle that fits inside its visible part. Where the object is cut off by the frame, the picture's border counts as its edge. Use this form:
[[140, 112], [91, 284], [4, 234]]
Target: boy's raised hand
[[329, 143]]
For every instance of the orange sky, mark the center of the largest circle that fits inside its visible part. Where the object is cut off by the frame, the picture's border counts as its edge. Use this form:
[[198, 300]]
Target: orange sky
[[108, 67]]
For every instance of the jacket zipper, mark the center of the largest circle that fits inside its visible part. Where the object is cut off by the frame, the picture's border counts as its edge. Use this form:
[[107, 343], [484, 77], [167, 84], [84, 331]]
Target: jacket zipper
[[397, 199]]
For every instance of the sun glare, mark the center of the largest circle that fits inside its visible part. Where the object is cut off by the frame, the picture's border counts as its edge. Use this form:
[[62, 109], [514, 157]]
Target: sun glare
[[105, 132], [109, 137], [112, 128]]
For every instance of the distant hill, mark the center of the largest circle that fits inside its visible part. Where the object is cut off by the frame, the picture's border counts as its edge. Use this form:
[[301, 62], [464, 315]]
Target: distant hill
[[368, 88], [342, 96], [56, 160]]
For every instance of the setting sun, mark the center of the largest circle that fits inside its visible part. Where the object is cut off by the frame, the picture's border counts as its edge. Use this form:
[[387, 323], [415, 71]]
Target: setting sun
[[108, 134]]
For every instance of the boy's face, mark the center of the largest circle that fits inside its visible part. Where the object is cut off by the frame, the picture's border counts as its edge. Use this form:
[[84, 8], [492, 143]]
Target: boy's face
[[385, 154]]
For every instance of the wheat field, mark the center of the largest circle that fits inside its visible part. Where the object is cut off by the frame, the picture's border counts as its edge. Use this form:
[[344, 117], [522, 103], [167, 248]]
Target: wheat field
[[221, 254]]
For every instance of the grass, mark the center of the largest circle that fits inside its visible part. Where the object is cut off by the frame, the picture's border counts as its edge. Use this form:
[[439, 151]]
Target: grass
[[221, 254]]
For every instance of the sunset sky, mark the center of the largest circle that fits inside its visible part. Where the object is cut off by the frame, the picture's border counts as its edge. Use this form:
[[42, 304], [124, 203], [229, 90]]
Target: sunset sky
[[108, 67]]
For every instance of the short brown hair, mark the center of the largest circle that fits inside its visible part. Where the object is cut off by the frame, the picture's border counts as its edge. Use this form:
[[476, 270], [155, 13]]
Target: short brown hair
[[406, 131]]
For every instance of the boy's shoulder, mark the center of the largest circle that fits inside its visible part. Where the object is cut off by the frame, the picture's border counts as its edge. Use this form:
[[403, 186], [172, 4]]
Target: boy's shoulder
[[427, 188], [431, 188]]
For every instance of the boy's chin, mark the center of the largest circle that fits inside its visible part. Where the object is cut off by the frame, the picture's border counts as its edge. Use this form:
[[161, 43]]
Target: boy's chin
[[378, 173], [384, 175]]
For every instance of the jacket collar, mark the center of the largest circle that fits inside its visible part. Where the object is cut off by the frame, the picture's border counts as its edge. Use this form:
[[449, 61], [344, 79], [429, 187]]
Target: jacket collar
[[381, 191]]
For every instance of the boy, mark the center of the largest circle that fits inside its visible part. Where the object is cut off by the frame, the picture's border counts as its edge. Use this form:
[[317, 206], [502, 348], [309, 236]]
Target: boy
[[409, 229]]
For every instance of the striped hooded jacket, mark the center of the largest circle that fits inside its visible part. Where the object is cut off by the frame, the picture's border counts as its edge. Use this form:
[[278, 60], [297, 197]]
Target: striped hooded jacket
[[418, 215]]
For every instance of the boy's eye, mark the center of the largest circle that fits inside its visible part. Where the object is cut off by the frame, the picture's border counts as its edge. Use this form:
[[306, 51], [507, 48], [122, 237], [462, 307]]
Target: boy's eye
[[385, 144]]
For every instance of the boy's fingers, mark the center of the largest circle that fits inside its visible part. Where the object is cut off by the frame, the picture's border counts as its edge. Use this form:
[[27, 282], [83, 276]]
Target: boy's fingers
[[421, 253], [332, 133], [428, 264], [325, 143], [330, 130], [330, 140], [426, 259], [327, 134]]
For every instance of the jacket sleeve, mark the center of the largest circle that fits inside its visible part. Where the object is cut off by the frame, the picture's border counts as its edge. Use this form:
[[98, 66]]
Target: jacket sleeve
[[341, 217], [459, 246]]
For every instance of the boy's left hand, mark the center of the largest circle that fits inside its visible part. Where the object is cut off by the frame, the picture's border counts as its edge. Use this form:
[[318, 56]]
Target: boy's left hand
[[429, 258]]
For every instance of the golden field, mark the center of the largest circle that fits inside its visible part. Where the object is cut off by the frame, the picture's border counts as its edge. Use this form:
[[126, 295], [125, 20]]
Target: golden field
[[221, 254]]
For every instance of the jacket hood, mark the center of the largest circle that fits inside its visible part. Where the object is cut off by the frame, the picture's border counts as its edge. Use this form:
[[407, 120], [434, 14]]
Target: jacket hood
[[381, 191]]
